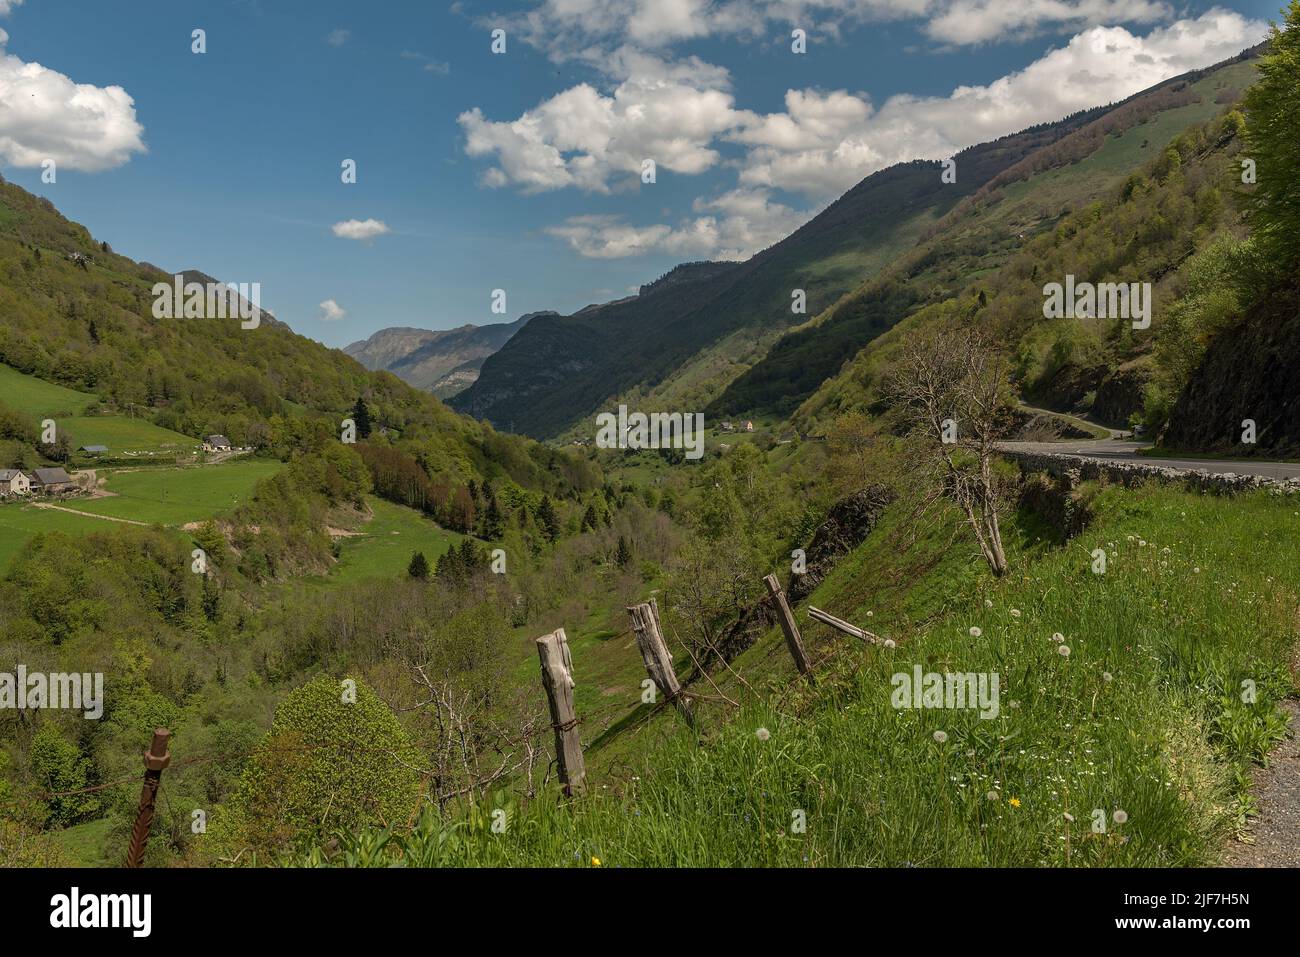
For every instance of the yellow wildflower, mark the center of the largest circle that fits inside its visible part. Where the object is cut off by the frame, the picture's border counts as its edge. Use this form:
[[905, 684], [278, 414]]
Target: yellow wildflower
[[1014, 802], [595, 862]]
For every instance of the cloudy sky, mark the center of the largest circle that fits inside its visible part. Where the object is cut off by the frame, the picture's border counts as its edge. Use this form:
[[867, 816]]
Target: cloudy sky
[[522, 170]]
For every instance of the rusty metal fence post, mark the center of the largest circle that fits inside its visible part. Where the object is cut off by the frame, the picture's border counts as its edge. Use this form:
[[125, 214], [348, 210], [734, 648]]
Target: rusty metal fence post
[[155, 760]]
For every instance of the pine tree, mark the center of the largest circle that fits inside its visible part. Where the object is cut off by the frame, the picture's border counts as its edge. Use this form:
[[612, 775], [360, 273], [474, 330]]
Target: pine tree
[[94, 332], [590, 520], [547, 518], [624, 554], [419, 567], [493, 522], [211, 598], [450, 568], [361, 416]]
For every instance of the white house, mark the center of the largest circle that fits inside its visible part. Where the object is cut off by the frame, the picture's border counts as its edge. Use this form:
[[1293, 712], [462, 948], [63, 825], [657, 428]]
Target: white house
[[216, 443], [14, 482]]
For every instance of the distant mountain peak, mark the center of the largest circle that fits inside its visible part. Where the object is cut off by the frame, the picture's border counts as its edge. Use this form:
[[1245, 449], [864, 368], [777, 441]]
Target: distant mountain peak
[[443, 361]]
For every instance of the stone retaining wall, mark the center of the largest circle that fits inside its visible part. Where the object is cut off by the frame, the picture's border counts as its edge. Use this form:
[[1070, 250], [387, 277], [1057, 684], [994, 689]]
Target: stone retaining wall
[[1135, 473]]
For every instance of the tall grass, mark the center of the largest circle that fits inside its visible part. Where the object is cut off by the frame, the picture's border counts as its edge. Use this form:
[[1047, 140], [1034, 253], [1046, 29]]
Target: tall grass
[[1142, 727]]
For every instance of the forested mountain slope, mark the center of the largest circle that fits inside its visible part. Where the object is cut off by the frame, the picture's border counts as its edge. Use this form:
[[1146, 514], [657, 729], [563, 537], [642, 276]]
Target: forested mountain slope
[[560, 369], [697, 338], [984, 232], [80, 315]]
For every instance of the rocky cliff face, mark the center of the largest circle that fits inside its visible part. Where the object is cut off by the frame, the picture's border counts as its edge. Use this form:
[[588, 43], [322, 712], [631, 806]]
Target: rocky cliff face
[[1121, 394], [1250, 372], [847, 525]]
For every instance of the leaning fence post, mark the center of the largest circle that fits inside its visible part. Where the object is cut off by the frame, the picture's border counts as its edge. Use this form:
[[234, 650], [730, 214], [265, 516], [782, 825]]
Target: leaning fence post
[[155, 760], [557, 677], [658, 662], [792, 638]]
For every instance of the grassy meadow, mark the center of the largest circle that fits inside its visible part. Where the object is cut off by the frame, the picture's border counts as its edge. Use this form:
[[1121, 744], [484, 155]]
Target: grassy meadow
[[1121, 704], [179, 496], [38, 398], [123, 434], [163, 496], [385, 544], [20, 522]]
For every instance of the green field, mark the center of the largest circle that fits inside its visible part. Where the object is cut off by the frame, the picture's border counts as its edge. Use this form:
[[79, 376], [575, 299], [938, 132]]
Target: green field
[[38, 398], [178, 496], [154, 496], [384, 548], [121, 434], [19, 523]]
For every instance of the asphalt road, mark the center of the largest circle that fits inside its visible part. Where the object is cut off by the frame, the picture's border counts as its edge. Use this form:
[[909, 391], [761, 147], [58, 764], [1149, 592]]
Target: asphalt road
[[1128, 451]]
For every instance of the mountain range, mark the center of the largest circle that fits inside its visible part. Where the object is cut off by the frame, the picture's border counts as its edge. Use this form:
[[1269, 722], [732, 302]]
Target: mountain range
[[443, 362], [723, 337]]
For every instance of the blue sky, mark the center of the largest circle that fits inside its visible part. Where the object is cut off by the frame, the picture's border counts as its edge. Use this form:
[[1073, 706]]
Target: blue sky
[[522, 171]]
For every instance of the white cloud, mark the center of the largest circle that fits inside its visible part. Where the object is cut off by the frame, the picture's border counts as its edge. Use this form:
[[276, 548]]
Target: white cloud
[[824, 143], [45, 115], [737, 225], [331, 311], [427, 63], [581, 137], [986, 21], [360, 229], [336, 38], [683, 115], [588, 30], [8, 5]]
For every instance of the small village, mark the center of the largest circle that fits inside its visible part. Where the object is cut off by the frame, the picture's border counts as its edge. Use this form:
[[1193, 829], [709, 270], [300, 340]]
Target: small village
[[55, 481]]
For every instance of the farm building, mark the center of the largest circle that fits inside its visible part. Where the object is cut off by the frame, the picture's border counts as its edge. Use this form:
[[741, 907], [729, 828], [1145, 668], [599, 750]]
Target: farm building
[[749, 426], [93, 449], [52, 481], [14, 482], [216, 443]]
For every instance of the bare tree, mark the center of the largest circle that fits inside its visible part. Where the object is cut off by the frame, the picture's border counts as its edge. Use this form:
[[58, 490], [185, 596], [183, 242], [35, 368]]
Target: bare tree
[[952, 388]]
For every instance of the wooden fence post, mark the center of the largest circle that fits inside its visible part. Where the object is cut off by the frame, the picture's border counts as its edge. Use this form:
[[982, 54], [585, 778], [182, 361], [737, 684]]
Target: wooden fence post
[[557, 677], [840, 624], [155, 760], [658, 662], [792, 637]]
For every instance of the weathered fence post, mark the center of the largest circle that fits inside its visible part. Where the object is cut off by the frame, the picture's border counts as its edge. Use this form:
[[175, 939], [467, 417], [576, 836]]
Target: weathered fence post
[[840, 624], [658, 662], [557, 677], [155, 760], [792, 637]]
